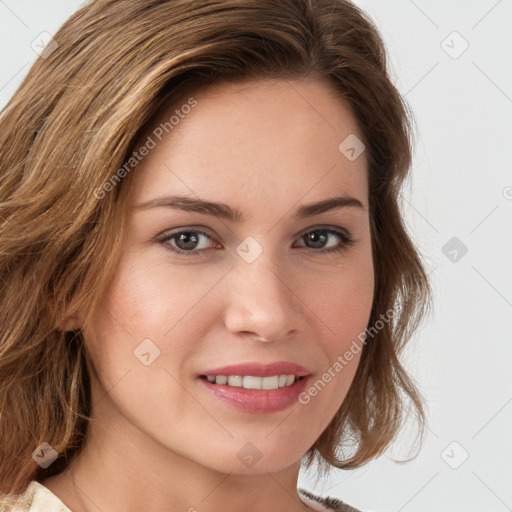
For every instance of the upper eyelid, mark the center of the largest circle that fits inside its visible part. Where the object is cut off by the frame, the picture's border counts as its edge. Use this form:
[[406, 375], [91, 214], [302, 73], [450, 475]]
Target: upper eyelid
[[170, 234]]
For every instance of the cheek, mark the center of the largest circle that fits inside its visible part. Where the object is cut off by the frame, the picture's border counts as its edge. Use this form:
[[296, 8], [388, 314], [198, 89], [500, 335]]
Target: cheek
[[342, 300], [150, 300], [150, 296], [144, 311], [342, 303], [343, 308]]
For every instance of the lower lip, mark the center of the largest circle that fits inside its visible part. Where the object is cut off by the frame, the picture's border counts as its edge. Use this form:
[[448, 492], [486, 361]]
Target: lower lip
[[257, 400]]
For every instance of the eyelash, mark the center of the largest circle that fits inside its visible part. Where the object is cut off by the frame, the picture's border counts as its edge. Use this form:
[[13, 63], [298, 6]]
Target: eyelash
[[343, 236]]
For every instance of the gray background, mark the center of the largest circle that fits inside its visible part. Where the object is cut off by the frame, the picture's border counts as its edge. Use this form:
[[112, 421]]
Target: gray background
[[460, 198]]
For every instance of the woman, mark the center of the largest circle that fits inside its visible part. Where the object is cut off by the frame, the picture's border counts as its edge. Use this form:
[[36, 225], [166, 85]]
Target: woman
[[206, 279]]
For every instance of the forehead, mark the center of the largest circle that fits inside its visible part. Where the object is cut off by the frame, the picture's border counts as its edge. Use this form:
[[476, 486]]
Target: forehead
[[268, 141]]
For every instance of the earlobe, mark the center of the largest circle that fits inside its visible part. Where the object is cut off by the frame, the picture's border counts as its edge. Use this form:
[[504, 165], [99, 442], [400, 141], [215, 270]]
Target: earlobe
[[67, 323]]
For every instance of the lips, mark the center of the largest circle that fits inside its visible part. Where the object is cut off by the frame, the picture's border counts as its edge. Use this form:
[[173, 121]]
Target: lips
[[257, 401]]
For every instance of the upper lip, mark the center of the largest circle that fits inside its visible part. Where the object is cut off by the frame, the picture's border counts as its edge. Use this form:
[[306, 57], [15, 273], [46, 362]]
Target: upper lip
[[260, 369]]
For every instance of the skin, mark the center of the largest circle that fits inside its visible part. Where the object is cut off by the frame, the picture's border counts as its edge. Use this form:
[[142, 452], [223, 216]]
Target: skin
[[158, 438]]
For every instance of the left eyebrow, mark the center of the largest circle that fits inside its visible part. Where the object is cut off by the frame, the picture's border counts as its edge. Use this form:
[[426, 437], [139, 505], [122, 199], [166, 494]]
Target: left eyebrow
[[225, 211], [309, 210]]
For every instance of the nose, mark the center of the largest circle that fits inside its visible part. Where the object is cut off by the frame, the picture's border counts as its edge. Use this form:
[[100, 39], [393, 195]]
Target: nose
[[261, 303]]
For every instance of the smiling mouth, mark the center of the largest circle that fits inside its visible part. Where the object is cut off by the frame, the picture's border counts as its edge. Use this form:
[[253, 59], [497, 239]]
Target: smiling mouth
[[252, 382]]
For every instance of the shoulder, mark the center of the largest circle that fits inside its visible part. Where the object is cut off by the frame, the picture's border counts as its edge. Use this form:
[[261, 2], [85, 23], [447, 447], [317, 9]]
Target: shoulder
[[18, 502], [325, 504], [36, 498]]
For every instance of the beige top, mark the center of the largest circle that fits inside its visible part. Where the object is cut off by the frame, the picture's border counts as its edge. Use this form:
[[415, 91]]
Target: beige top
[[38, 498]]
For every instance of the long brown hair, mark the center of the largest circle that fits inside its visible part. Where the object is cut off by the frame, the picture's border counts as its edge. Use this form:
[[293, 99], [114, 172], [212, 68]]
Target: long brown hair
[[76, 119]]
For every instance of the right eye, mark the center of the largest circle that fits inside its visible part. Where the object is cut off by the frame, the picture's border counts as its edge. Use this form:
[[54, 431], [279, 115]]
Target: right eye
[[185, 241]]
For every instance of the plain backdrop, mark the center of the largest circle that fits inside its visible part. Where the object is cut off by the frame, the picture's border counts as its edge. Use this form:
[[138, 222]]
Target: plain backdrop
[[452, 61]]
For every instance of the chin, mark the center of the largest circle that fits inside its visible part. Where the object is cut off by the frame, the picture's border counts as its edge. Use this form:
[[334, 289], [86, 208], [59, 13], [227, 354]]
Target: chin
[[251, 458]]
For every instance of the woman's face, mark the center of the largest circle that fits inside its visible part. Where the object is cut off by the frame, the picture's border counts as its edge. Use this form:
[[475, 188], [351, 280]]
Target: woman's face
[[272, 286]]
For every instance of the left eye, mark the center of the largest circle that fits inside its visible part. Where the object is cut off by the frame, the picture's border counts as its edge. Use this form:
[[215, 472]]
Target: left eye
[[189, 241], [321, 235]]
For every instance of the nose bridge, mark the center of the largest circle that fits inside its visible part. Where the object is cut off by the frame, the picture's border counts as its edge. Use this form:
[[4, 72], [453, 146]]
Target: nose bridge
[[260, 299]]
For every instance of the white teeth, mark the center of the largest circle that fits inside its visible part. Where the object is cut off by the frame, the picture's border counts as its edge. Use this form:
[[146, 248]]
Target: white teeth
[[252, 382], [221, 379], [235, 380], [272, 382]]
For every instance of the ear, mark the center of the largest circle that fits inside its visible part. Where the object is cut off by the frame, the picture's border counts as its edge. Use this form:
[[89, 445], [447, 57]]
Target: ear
[[68, 323]]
